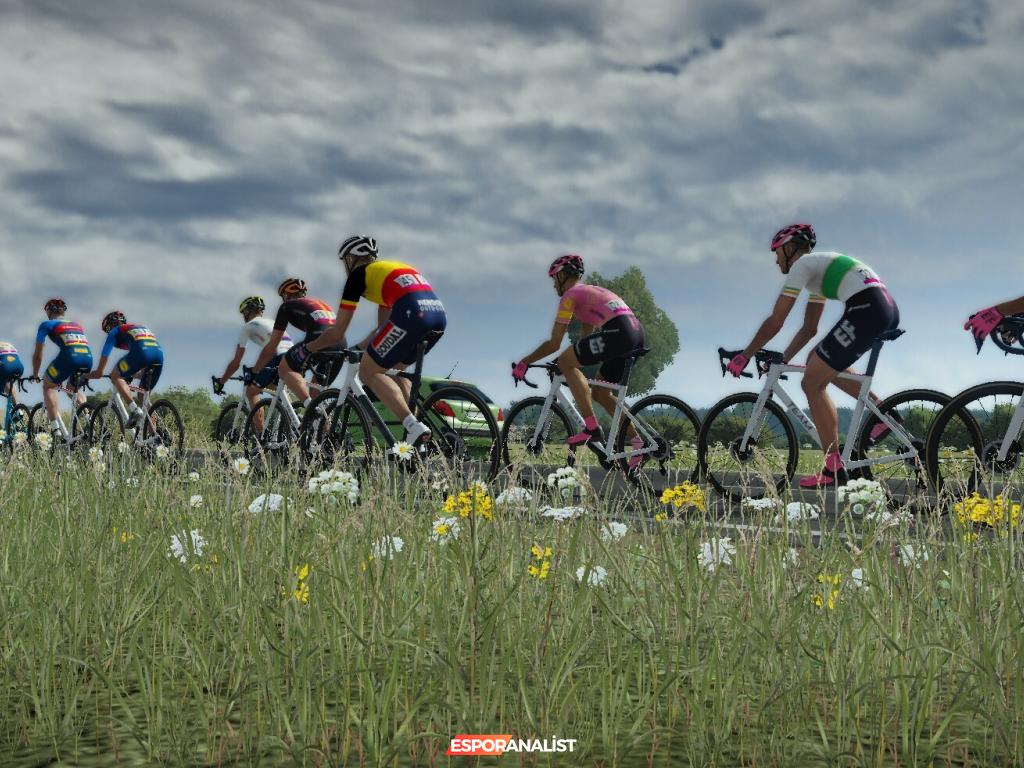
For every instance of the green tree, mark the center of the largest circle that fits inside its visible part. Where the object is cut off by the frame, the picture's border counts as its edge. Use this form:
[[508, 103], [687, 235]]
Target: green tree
[[198, 411], [662, 334]]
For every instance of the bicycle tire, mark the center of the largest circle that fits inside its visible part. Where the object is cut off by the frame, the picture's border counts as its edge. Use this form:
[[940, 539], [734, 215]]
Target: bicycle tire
[[519, 453], [270, 449], [17, 423], [748, 487], [465, 444], [675, 434], [36, 421], [962, 440], [168, 429], [104, 425], [905, 479], [224, 430], [80, 426]]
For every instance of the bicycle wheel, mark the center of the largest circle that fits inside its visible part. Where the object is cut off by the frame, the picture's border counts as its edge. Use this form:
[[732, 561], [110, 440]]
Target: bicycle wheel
[[767, 462], [80, 426], [465, 433], [105, 428], [962, 451], [163, 429], [36, 421], [336, 435], [915, 410], [268, 448], [674, 427], [226, 431], [528, 453]]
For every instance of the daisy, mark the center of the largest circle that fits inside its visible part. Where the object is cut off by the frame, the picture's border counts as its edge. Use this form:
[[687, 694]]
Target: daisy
[[185, 545], [387, 547], [241, 466], [403, 451]]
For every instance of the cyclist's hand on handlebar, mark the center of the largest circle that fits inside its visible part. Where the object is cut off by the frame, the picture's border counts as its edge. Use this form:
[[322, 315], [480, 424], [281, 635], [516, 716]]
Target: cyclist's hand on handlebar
[[519, 371], [983, 323], [35, 379], [737, 364]]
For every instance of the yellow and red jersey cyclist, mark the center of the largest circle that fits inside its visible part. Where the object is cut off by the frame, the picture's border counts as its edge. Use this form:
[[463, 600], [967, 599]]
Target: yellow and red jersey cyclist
[[408, 312]]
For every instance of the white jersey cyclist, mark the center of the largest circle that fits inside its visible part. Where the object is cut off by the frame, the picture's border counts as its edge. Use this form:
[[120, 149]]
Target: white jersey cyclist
[[829, 275], [258, 330]]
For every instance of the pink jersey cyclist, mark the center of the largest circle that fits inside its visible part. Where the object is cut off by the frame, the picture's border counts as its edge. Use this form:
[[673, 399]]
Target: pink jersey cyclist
[[591, 304]]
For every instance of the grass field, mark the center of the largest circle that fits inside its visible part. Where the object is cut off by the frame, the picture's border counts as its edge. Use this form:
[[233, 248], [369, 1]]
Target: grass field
[[300, 637]]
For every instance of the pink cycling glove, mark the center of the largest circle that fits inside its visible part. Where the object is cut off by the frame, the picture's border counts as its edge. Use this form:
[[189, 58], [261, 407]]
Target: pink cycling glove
[[737, 364], [983, 323], [519, 370]]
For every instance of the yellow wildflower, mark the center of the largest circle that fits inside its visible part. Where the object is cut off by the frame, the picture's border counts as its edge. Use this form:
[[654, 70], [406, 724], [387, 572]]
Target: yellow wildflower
[[827, 598], [683, 495], [539, 570], [995, 513], [475, 500]]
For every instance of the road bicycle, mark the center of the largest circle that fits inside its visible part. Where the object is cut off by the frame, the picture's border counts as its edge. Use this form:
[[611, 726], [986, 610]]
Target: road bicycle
[[344, 427], [16, 416], [230, 425], [975, 442], [536, 431], [39, 422], [272, 428], [159, 434], [748, 446]]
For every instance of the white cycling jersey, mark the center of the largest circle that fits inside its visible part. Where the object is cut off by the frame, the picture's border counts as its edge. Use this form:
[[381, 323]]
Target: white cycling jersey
[[829, 275], [258, 331]]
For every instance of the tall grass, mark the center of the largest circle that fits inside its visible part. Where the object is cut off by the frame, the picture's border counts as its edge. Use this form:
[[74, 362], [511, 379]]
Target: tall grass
[[115, 652]]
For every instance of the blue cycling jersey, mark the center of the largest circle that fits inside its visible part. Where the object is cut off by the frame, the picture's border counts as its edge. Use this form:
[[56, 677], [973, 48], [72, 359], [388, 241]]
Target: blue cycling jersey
[[65, 334], [129, 336]]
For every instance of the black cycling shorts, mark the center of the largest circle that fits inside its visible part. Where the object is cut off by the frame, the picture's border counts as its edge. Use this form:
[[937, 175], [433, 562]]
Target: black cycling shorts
[[610, 346], [325, 371], [868, 315]]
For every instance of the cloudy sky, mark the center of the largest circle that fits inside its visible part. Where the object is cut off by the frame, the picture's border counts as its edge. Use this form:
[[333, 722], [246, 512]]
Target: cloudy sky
[[169, 158]]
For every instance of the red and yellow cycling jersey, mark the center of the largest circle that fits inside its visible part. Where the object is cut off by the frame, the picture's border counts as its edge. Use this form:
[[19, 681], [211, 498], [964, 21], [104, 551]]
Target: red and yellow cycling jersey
[[382, 282]]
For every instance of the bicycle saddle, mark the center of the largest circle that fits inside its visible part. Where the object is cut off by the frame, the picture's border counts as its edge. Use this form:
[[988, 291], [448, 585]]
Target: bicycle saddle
[[891, 335]]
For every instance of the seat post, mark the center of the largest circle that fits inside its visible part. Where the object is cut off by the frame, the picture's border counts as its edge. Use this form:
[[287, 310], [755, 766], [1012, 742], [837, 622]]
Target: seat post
[[876, 348]]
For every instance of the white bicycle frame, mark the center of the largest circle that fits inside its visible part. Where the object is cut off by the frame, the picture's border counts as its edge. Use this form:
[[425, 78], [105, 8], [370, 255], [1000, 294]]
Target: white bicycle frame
[[122, 414], [352, 384], [773, 388], [557, 394], [281, 397], [1013, 430]]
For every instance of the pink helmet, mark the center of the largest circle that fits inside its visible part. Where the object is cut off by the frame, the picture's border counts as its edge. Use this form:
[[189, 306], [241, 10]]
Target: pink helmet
[[570, 262], [803, 232]]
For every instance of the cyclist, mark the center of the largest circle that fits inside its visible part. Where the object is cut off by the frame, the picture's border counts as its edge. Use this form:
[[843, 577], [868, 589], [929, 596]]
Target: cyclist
[[869, 312], [610, 333], [74, 357], [407, 311], [145, 356], [984, 321], [257, 329], [11, 369], [313, 317]]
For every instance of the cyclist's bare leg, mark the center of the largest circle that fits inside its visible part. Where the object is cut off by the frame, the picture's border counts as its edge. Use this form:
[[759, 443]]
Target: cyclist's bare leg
[[569, 365], [122, 388], [852, 388], [607, 400], [816, 379], [252, 394], [50, 400], [391, 392], [293, 380]]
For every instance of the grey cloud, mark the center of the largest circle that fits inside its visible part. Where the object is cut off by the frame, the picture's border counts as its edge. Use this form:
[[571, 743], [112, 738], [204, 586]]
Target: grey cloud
[[192, 124], [678, 64]]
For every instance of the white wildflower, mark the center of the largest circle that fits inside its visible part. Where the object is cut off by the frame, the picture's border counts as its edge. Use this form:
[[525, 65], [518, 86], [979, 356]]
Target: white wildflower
[[862, 495], [562, 513], [387, 547], [195, 500], [3, 434], [186, 545], [792, 557], [514, 497], [715, 553], [122, 446], [242, 466], [193, 476], [596, 576], [403, 451], [797, 511], [20, 439], [857, 578], [131, 482], [911, 555], [267, 502], [613, 531], [44, 441], [95, 454], [444, 529], [335, 486], [565, 480], [162, 451], [760, 505]]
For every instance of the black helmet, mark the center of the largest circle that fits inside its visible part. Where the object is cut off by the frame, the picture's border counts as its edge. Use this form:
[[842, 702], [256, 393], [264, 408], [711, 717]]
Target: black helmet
[[112, 320]]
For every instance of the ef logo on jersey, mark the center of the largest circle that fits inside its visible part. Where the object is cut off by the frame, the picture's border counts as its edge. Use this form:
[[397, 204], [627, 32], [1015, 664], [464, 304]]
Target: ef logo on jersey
[[596, 345], [844, 334]]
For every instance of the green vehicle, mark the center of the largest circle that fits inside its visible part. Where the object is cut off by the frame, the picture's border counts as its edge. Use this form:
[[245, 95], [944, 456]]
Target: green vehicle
[[467, 419]]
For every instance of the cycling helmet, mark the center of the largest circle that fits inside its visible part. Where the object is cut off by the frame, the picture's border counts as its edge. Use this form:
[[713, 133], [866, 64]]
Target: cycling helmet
[[254, 303], [55, 304], [358, 246], [570, 263], [290, 286], [799, 232], [112, 320]]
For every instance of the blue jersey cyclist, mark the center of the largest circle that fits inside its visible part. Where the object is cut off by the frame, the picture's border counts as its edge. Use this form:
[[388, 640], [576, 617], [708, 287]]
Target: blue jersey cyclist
[[74, 357], [145, 358], [11, 369], [408, 312]]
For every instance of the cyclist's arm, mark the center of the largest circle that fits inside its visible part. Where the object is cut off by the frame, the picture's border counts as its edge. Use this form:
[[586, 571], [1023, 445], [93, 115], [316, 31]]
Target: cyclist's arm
[[268, 352], [812, 315], [770, 327], [232, 366], [550, 346], [101, 366], [37, 359], [1014, 307], [108, 347]]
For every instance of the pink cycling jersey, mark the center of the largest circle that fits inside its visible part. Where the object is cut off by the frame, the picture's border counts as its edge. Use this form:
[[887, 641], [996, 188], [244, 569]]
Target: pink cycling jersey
[[591, 304]]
